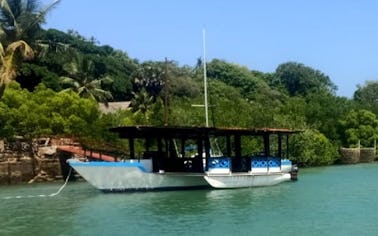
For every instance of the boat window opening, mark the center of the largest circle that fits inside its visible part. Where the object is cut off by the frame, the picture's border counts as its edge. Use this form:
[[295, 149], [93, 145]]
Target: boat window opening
[[252, 146], [175, 155], [191, 149], [278, 145], [274, 146], [215, 150]]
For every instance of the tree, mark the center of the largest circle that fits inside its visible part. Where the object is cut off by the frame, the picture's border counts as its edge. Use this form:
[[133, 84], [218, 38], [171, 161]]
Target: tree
[[291, 114], [235, 75], [312, 148], [10, 60], [359, 125], [367, 96], [323, 112], [141, 102], [48, 113], [120, 67], [82, 79], [31, 74], [299, 79], [151, 77], [19, 24]]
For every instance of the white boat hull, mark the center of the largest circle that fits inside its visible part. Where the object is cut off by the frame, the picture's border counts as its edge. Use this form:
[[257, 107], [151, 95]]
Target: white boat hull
[[120, 176], [138, 175], [245, 180]]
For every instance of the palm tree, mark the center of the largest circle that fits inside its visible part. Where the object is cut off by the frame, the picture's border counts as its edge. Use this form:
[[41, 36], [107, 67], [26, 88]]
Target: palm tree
[[20, 20], [82, 80], [141, 102], [10, 59]]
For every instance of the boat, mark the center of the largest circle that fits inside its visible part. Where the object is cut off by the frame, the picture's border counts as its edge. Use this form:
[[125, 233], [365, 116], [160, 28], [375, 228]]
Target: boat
[[175, 157], [179, 157]]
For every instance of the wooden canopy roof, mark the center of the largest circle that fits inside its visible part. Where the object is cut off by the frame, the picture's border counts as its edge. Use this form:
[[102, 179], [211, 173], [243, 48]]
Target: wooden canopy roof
[[192, 131]]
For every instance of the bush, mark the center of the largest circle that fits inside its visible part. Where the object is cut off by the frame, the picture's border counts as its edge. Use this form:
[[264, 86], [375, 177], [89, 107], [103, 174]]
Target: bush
[[312, 148]]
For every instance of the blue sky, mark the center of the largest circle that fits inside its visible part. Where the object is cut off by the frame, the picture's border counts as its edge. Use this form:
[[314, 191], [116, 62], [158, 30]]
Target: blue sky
[[337, 37]]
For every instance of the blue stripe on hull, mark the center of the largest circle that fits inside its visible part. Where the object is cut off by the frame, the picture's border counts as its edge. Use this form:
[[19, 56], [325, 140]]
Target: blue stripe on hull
[[107, 164]]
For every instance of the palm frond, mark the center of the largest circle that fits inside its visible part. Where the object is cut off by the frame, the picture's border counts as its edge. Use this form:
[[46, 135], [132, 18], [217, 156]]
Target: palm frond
[[106, 80], [2, 54], [48, 8], [21, 47], [14, 54], [6, 9]]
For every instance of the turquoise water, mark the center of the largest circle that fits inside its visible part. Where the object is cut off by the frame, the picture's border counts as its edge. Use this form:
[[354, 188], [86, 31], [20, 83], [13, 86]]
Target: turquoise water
[[337, 200]]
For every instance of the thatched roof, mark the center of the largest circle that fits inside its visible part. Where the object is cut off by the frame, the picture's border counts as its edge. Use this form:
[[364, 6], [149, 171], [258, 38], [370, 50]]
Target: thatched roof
[[114, 106]]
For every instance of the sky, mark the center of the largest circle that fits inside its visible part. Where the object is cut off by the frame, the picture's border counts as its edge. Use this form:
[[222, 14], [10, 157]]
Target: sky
[[337, 37]]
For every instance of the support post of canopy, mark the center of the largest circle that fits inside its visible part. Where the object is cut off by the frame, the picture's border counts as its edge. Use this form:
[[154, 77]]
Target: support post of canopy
[[266, 145], [207, 147], [237, 146], [279, 145], [228, 143], [287, 146], [131, 147], [183, 148], [200, 148]]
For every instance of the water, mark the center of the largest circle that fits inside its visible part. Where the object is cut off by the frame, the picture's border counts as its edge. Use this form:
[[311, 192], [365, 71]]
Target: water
[[337, 200]]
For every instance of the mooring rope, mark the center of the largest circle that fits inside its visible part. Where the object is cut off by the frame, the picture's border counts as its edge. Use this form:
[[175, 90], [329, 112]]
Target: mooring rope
[[43, 195], [64, 185]]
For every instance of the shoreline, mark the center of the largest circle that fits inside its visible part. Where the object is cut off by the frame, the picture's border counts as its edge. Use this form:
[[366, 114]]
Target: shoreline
[[23, 170]]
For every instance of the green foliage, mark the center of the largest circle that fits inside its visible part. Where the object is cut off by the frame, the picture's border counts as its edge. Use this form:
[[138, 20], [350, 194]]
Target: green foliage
[[83, 79], [359, 126], [236, 76], [119, 67], [225, 102], [323, 112], [141, 102], [19, 25], [184, 87], [291, 114], [55, 50], [299, 79], [75, 40], [183, 113], [48, 113], [151, 77], [312, 148], [21, 20], [31, 75], [367, 96]]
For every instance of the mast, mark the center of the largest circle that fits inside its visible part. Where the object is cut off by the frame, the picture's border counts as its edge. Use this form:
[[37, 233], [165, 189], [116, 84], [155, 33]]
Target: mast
[[204, 81], [204, 77], [166, 94]]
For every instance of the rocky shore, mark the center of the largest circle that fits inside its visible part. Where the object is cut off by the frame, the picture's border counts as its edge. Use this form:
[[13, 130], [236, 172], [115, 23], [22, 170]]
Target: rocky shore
[[29, 170], [24, 163]]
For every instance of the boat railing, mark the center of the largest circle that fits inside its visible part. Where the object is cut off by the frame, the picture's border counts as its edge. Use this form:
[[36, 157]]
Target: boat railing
[[253, 164], [219, 165], [261, 164]]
